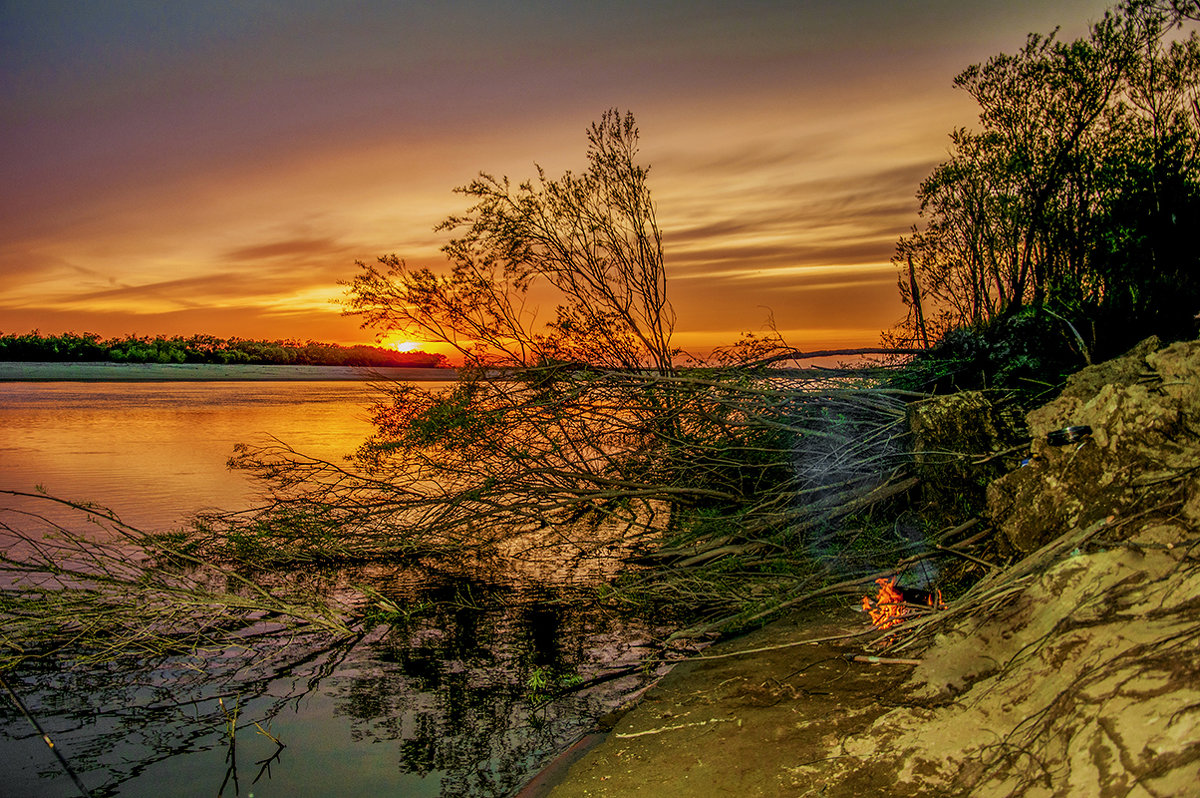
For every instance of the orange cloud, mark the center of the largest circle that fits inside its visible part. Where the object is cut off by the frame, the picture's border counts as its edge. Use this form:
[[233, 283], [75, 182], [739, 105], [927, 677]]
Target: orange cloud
[[225, 182]]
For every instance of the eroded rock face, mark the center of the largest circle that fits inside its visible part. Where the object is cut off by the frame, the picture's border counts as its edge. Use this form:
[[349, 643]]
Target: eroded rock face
[[1075, 671], [950, 434], [1144, 413], [1087, 683]]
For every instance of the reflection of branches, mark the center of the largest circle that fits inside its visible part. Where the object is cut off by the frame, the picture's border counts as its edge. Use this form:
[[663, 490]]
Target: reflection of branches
[[24, 710], [231, 770], [451, 687], [265, 764], [84, 597], [447, 685], [231, 753], [124, 718], [108, 590]]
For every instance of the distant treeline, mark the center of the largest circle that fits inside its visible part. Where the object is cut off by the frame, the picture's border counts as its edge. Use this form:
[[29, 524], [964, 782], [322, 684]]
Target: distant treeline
[[72, 347]]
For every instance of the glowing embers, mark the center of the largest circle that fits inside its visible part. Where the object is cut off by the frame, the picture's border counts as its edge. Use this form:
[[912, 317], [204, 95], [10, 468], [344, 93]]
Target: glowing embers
[[891, 607]]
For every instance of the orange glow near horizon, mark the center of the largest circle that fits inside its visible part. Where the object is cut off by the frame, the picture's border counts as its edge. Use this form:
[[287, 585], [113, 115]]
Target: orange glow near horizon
[[228, 178], [401, 344]]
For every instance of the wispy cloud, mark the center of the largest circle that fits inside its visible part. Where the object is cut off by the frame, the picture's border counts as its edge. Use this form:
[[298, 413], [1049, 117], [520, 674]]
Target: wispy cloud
[[303, 247], [231, 164]]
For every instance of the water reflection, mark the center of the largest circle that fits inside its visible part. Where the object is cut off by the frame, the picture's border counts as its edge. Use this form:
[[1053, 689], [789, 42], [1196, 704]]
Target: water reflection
[[453, 689], [439, 704], [156, 452], [446, 698]]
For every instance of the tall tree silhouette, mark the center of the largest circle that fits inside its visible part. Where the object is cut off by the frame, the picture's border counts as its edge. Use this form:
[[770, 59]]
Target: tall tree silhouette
[[1077, 193]]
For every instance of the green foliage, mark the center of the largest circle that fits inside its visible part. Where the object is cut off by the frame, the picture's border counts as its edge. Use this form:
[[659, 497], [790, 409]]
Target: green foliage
[[67, 347], [204, 349], [453, 418], [382, 610], [543, 683], [1027, 353], [1077, 195]]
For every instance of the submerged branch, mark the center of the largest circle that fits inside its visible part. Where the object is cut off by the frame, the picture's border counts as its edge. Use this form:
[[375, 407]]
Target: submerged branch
[[80, 583]]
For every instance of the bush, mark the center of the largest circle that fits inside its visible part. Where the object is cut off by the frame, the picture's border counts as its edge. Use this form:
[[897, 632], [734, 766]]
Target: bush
[[1029, 353]]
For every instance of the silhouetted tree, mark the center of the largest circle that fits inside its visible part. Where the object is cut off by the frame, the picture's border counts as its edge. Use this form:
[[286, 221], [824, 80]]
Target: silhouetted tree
[[578, 429], [1078, 194], [591, 239]]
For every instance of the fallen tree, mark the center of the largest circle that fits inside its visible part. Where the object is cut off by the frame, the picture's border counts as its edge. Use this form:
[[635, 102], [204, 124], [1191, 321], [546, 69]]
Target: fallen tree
[[582, 430]]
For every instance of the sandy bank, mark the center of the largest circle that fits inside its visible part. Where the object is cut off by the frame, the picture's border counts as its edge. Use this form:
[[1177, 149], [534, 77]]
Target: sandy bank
[[203, 372], [1079, 680], [1071, 670], [742, 718]]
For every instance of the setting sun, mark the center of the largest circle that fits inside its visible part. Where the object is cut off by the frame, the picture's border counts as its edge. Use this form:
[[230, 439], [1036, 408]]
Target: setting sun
[[406, 346]]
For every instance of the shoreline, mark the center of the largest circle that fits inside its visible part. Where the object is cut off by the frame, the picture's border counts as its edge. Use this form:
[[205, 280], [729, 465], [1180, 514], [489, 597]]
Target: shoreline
[[14, 371], [732, 720]]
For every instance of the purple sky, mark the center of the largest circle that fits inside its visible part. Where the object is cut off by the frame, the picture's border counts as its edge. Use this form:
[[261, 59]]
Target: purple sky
[[188, 167]]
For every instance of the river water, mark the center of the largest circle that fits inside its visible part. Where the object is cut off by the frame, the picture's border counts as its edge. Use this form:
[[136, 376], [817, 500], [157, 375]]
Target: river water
[[443, 705], [155, 452]]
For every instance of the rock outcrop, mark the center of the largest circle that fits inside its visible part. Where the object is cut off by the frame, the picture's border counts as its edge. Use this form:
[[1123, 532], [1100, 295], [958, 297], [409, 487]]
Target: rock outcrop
[[1143, 412], [1076, 670], [950, 436]]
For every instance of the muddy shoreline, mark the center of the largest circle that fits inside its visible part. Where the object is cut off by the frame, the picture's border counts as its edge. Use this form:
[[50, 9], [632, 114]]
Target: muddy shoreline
[[737, 718]]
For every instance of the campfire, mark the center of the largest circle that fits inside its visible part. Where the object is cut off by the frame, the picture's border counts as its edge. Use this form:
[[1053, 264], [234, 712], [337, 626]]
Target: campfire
[[892, 606]]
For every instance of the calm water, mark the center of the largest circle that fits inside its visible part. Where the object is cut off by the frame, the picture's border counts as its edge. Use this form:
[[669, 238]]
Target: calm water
[[155, 452], [440, 706]]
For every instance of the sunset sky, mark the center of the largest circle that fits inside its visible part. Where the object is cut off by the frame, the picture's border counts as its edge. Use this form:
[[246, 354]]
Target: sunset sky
[[204, 167]]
